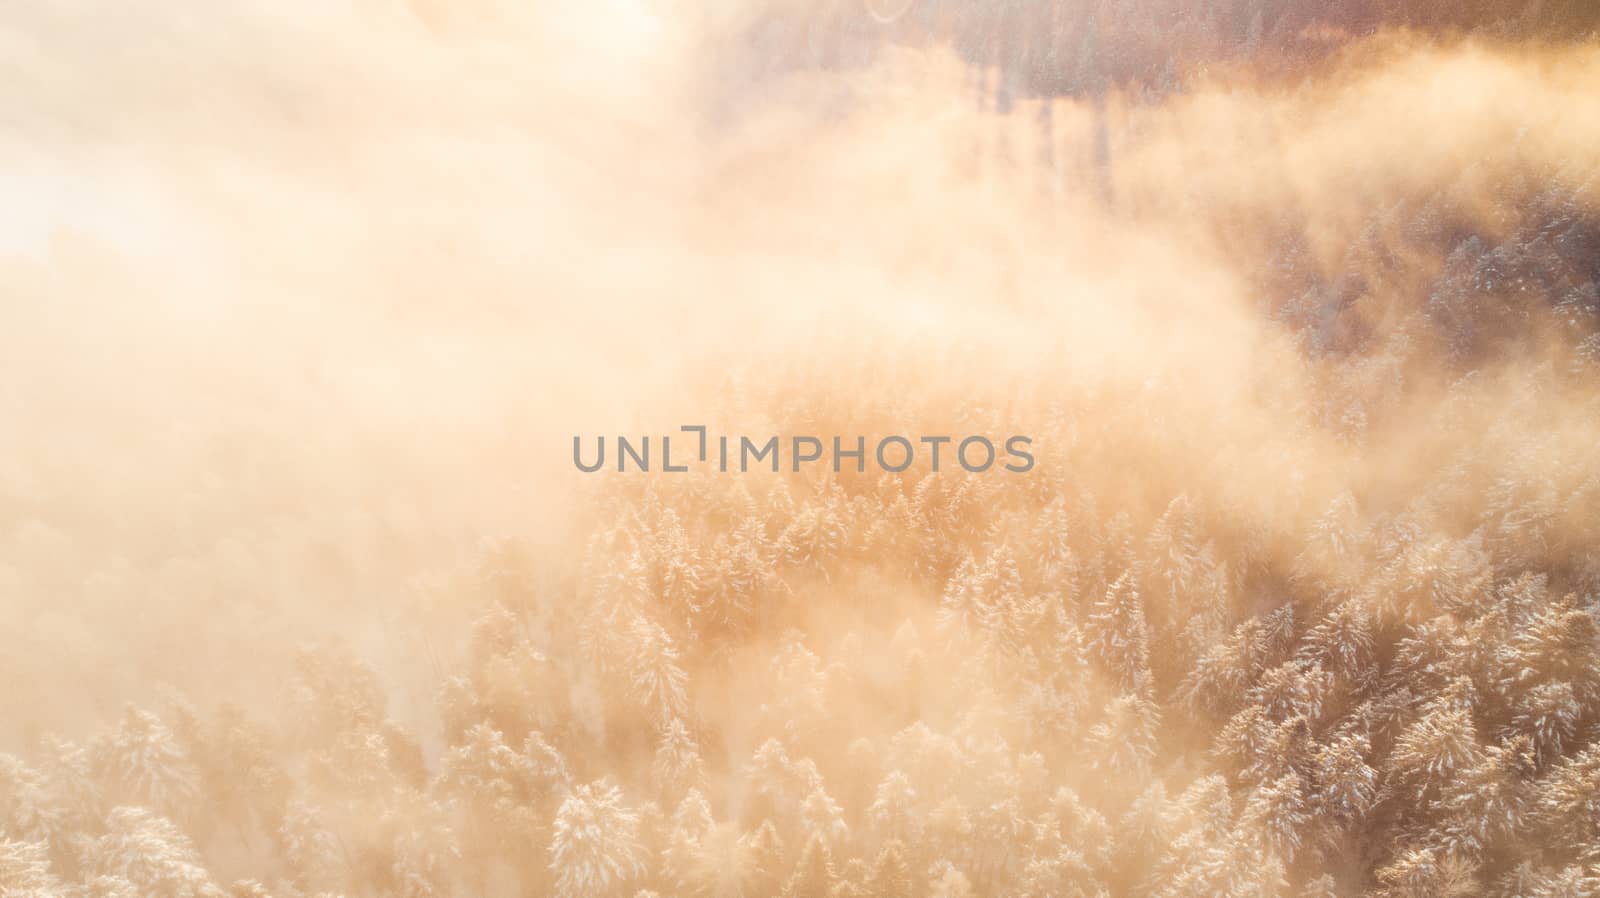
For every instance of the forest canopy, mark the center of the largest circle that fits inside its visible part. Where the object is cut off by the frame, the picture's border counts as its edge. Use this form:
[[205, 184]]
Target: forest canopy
[[301, 304]]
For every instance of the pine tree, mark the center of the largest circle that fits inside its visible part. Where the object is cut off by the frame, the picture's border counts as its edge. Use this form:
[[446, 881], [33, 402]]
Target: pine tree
[[1118, 633], [25, 871], [658, 680], [595, 849], [1433, 752], [151, 854], [822, 817], [891, 875], [1124, 741], [142, 763], [893, 807], [1491, 800], [1293, 689], [1345, 788], [312, 851], [948, 882], [1277, 813], [768, 861], [814, 876], [1343, 642], [692, 825], [1428, 873], [1220, 678], [1567, 803], [1171, 562], [424, 850], [28, 808], [1546, 716], [497, 789], [677, 766], [332, 691]]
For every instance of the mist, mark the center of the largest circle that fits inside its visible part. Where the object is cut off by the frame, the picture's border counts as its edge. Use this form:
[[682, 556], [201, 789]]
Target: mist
[[302, 304]]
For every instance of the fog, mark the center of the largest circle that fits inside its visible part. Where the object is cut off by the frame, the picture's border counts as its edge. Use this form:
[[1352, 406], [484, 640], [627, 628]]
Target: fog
[[302, 303]]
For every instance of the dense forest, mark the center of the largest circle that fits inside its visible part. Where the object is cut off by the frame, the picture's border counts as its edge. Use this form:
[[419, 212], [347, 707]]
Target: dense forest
[[1063, 48], [1299, 303]]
